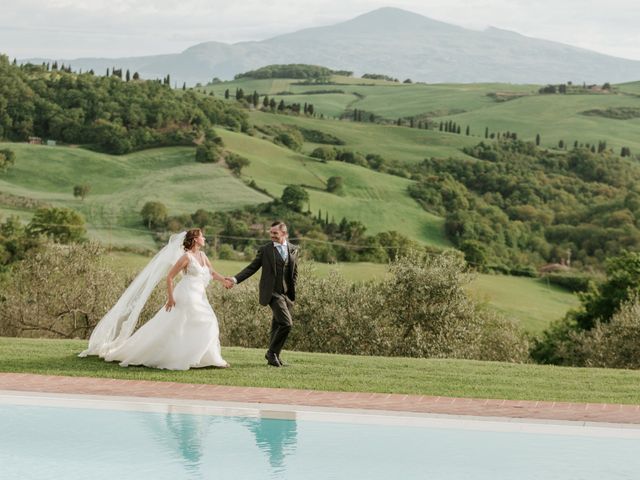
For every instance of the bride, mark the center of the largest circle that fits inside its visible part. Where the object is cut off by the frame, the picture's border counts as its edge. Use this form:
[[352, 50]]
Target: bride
[[183, 334]]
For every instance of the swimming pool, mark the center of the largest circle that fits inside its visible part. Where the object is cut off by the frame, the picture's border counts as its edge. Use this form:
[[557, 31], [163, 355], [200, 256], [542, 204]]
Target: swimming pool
[[46, 436]]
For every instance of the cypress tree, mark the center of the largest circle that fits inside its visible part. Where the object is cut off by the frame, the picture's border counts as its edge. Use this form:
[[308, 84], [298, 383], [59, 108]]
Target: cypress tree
[[467, 132], [226, 94], [537, 139], [486, 132], [265, 101]]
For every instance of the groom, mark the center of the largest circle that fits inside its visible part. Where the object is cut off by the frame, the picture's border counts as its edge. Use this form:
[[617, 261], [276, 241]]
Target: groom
[[279, 262]]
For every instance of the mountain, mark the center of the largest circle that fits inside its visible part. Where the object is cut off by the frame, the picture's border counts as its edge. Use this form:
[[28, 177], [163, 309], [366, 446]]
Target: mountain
[[394, 42]]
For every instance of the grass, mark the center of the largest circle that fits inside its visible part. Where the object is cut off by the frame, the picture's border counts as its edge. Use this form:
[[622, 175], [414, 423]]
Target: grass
[[558, 117], [386, 99], [404, 144], [533, 303], [121, 185], [314, 371], [554, 117], [378, 200]]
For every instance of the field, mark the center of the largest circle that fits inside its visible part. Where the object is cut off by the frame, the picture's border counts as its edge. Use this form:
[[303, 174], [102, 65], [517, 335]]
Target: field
[[121, 185], [520, 109], [379, 201]]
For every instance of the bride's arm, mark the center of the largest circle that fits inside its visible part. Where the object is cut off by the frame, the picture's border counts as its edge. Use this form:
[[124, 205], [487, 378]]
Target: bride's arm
[[215, 275], [180, 265]]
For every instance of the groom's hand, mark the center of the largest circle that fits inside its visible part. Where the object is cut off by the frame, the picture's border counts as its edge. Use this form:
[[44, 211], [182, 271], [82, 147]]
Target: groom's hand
[[228, 282]]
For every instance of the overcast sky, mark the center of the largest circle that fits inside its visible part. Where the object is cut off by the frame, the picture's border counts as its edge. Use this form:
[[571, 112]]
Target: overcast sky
[[116, 28]]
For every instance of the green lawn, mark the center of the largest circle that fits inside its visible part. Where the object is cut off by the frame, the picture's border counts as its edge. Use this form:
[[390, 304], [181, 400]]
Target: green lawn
[[458, 378]]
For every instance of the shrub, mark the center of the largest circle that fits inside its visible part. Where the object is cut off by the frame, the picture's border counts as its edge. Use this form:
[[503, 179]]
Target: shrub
[[81, 191], [7, 159], [291, 138], [615, 344], [575, 282], [208, 152], [61, 291], [154, 214], [325, 154], [59, 224], [317, 136], [294, 196], [422, 310], [236, 162], [335, 184]]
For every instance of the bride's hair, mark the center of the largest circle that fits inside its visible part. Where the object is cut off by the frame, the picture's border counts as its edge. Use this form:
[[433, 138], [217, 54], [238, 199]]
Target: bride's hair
[[190, 238]]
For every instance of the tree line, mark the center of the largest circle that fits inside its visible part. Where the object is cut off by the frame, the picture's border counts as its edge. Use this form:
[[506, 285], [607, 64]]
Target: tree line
[[105, 113]]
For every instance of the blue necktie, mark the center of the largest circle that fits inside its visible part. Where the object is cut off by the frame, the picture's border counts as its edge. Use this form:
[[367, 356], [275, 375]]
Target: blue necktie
[[280, 248]]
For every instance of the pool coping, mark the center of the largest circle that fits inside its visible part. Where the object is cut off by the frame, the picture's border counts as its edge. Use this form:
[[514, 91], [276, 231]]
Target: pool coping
[[588, 413], [171, 406]]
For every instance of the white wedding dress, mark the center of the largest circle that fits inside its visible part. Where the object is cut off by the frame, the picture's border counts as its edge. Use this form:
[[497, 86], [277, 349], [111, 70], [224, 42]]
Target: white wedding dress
[[185, 337]]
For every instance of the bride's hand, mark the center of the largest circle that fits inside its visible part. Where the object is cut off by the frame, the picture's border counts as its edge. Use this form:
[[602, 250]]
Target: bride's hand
[[170, 304]]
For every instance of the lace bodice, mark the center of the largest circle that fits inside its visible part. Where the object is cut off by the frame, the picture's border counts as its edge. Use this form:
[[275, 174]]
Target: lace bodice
[[194, 269]]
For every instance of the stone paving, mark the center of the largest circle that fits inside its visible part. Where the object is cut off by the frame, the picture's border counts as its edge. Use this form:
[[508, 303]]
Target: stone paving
[[586, 412]]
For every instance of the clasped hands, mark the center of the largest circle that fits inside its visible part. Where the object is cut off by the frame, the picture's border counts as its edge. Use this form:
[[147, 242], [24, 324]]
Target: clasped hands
[[228, 282]]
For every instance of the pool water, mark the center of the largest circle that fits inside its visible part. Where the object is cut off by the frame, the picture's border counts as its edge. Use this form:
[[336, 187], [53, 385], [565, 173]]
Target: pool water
[[68, 443]]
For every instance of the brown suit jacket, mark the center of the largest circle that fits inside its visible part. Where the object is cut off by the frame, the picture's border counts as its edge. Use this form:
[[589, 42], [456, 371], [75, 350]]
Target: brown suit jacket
[[266, 259]]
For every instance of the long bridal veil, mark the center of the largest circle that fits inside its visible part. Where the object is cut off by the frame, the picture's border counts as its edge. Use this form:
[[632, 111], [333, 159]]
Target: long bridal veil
[[120, 322]]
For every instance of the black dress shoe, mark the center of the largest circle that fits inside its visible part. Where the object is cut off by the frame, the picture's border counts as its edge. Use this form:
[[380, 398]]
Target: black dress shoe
[[282, 363], [272, 359]]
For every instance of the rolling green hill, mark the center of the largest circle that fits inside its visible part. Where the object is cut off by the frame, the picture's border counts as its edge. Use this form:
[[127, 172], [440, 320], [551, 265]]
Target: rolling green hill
[[500, 107], [404, 144], [559, 117], [378, 200], [121, 185]]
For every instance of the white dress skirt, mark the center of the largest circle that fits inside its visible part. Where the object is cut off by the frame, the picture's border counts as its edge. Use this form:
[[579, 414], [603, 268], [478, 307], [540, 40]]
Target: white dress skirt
[[183, 338]]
